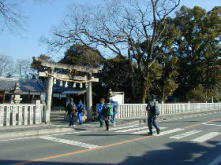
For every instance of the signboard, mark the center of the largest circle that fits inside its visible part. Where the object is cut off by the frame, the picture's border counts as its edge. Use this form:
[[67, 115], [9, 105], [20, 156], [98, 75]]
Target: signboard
[[118, 97]]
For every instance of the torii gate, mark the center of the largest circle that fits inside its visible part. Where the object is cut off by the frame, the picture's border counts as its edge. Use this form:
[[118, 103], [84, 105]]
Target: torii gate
[[51, 74]]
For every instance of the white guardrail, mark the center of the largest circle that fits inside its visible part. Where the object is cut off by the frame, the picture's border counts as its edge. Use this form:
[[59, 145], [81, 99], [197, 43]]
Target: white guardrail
[[133, 111], [21, 114]]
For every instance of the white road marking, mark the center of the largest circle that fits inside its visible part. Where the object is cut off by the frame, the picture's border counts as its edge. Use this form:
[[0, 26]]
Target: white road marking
[[186, 134], [132, 129], [212, 124], [170, 131], [69, 142], [216, 161], [206, 137], [19, 139], [145, 131], [123, 127]]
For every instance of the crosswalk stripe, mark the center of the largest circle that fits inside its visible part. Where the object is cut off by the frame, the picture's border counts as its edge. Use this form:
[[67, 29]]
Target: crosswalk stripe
[[170, 131], [123, 127], [206, 137], [69, 142], [145, 131], [212, 124], [132, 129], [186, 134]]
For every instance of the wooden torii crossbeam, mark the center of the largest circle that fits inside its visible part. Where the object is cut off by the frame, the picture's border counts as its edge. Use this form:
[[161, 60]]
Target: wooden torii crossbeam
[[51, 74]]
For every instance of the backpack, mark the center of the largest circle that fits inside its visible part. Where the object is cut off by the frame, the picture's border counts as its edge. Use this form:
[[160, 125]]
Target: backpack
[[80, 108], [107, 110], [155, 110]]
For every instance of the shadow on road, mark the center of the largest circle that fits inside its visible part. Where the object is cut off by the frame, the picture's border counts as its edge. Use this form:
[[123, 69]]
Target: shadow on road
[[175, 153]]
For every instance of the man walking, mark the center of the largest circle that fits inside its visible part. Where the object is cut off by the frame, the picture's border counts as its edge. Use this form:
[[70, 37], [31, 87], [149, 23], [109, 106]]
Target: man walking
[[71, 112], [153, 112], [115, 106], [100, 111], [80, 112], [107, 113]]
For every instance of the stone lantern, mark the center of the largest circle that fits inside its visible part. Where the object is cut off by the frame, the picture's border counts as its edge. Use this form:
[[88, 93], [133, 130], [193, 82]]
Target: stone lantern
[[17, 94]]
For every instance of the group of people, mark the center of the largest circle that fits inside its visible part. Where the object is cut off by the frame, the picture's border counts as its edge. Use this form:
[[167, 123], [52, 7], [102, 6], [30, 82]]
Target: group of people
[[75, 111], [107, 110], [106, 113]]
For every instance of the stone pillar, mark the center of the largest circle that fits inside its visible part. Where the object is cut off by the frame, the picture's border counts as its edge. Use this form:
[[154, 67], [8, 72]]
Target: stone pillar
[[89, 99], [49, 99]]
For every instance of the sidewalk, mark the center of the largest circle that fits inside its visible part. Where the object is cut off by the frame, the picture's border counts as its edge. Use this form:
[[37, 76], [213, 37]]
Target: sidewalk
[[36, 130]]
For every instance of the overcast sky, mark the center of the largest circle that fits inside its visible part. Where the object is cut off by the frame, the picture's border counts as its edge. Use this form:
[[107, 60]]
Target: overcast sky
[[40, 19]]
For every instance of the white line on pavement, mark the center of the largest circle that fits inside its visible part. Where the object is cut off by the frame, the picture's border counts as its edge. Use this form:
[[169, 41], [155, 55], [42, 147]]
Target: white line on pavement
[[132, 129], [123, 127], [170, 131], [18, 139], [69, 142], [212, 124], [145, 131], [206, 137], [186, 134]]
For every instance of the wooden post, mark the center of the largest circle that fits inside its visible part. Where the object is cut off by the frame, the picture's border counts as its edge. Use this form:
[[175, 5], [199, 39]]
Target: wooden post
[[49, 98], [89, 99]]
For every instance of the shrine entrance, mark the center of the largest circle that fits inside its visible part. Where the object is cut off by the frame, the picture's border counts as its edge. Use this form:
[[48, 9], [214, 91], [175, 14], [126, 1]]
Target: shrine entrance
[[76, 75]]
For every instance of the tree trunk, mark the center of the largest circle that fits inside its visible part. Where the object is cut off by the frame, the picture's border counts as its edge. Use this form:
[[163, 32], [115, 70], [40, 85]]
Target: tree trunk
[[143, 91]]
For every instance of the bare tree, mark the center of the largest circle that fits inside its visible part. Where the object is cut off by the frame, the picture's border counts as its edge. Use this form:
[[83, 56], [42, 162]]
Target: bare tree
[[11, 15], [23, 68], [5, 66], [124, 28]]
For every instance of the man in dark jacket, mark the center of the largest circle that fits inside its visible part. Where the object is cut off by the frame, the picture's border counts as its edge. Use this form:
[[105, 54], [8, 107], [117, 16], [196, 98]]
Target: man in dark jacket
[[100, 111], [107, 113], [71, 112], [153, 112]]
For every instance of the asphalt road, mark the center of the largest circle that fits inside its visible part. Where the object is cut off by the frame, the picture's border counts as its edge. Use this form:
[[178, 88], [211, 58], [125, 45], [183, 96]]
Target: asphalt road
[[195, 141]]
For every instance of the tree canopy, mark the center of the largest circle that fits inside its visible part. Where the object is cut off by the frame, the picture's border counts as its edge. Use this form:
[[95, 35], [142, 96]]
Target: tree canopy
[[154, 54], [82, 55]]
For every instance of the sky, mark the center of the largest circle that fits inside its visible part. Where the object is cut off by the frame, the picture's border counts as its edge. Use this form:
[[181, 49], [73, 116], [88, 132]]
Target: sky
[[40, 18]]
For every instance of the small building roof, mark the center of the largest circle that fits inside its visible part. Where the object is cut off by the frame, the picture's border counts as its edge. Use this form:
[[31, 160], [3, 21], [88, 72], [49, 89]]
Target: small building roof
[[36, 86], [8, 84]]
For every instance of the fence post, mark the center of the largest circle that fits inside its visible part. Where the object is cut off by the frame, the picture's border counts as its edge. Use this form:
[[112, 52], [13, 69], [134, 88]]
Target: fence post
[[37, 112], [31, 116], [14, 112], [8, 115], [25, 113], [20, 119], [1, 115]]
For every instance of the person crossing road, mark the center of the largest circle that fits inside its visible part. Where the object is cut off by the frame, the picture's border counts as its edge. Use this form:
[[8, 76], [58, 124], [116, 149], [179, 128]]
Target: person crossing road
[[107, 113], [100, 111], [153, 112]]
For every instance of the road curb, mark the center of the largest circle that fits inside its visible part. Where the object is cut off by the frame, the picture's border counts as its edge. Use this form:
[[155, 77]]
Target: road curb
[[34, 132]]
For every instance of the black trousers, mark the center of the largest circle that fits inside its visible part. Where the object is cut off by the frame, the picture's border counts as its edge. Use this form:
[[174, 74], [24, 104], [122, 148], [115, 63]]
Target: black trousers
[[107, 122], [152, 121]]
